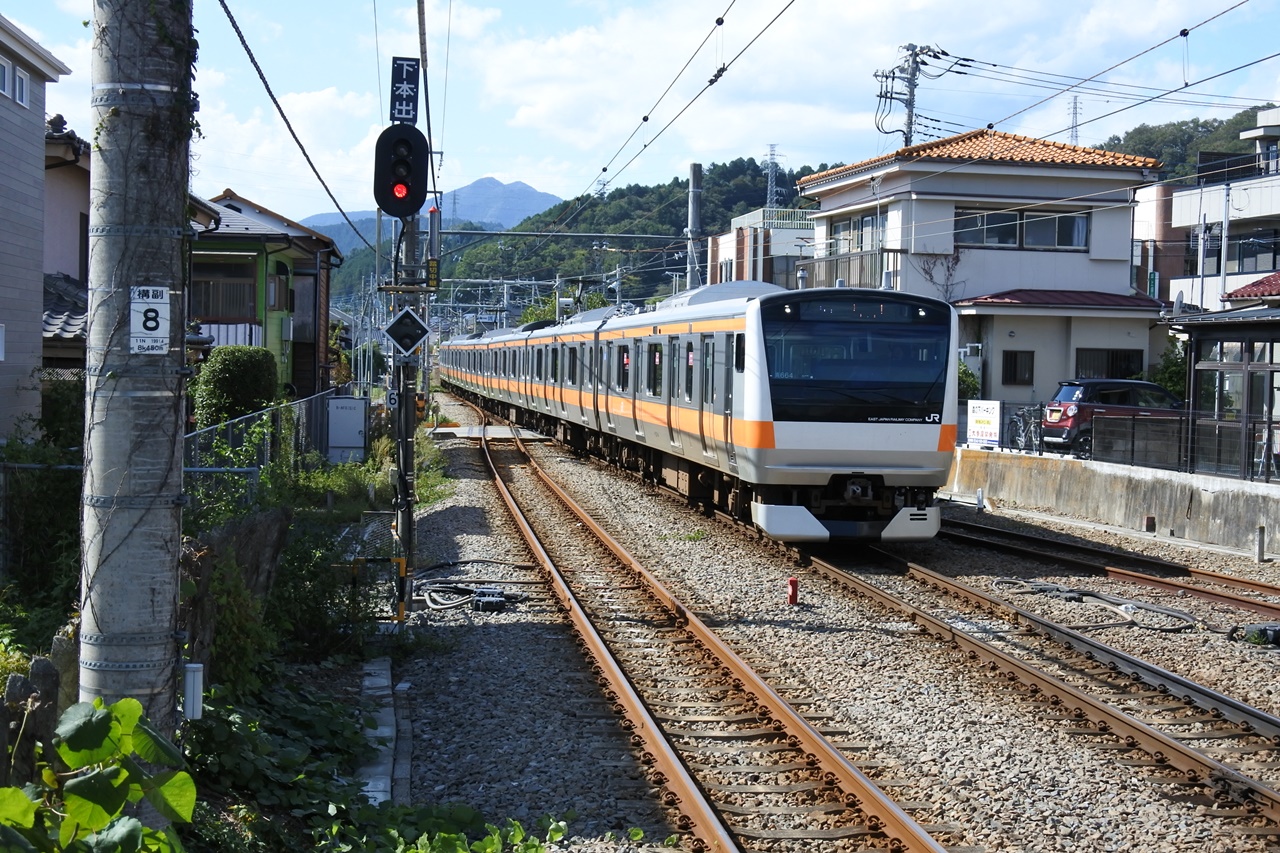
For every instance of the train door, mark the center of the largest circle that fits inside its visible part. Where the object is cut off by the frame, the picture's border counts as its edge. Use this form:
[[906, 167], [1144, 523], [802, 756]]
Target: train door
[[706, 396], [734, 363], [675, 376], [608, 384], [639, 376]]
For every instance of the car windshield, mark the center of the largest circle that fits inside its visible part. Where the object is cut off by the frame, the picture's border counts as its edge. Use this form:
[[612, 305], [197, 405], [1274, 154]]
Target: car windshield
[[1069, 393]]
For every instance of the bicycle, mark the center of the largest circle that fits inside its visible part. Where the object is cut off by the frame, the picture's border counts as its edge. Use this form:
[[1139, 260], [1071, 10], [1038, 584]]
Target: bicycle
[[1024, 428]]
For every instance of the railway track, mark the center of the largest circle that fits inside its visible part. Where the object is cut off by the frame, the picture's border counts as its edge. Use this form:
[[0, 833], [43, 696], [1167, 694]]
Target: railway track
[[1191, 734], [1231, 590], [734, 759]]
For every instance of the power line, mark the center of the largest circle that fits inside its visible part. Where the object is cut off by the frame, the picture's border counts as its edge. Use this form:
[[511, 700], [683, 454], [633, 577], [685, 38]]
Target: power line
[[1181, 34], [289, 126]]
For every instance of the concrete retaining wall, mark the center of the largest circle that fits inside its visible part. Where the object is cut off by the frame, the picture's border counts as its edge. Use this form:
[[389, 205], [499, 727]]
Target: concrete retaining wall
[[1212, 510]]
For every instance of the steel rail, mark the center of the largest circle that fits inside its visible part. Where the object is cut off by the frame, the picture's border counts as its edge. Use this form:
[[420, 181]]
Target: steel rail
[[1195, 766], [684, 794], [1250, 719], [1150, 577], [884, 815]]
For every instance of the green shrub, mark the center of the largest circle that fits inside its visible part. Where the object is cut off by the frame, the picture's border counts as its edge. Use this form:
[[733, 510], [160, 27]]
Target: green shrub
[[234, 381], [970, 387]]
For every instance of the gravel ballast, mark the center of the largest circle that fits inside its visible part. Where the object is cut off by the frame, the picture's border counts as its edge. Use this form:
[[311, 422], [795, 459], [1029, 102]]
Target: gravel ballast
[[507, 718]]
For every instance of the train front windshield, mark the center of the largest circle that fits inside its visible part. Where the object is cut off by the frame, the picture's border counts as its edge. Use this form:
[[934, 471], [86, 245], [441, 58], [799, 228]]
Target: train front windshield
[[856, 359]]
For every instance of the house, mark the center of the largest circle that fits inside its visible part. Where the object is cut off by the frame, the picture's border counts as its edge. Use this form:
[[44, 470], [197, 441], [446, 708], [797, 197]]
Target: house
[[763, 245], [282, 265], [25, 69], [1232, 219], [261, 279], [1030, 239]]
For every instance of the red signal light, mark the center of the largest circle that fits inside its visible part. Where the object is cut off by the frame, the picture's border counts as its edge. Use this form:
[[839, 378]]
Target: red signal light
[[400, 190]]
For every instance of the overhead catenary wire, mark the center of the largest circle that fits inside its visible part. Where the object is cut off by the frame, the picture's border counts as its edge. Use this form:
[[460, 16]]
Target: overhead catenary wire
[[288, 125], [1181, 34]]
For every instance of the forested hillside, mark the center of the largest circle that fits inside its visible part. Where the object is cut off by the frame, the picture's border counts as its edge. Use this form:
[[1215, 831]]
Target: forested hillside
[[1177, 143], [728, 190]]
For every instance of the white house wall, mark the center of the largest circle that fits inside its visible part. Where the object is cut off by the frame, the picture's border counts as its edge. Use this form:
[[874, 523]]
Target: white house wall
[[1253, 199]]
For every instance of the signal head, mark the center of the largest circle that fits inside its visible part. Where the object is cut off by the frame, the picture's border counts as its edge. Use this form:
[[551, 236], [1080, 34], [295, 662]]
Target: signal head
[[401, 159]]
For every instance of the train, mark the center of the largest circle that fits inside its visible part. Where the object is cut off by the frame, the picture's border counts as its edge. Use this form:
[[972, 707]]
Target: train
[[813, 415]]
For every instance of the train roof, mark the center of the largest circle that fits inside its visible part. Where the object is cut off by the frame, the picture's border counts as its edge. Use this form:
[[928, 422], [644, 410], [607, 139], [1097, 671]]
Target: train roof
[[709, 293]]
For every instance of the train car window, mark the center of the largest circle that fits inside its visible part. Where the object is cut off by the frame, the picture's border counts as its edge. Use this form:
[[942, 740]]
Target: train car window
[[708, 374], [572, 377], [555, 364], [537, 364], [688, 371], [654, 378], [624, 367], [739, 352]]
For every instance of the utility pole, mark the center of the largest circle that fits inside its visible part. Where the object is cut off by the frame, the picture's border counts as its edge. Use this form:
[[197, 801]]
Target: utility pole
[[694, 230], [908, 73], [134, 402]]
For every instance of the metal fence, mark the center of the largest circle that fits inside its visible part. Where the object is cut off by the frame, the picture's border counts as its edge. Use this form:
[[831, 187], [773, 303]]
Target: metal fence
[[1196, 442], [228, 458]]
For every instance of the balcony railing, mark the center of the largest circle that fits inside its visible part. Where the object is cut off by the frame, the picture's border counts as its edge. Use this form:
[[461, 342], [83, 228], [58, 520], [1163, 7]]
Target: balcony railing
[[1223, 169], [857, 269]]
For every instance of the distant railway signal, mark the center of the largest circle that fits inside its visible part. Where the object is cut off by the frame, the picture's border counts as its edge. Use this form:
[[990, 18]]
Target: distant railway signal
[[400, 170]]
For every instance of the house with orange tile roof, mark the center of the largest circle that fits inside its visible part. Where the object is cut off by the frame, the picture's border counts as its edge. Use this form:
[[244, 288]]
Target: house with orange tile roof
[[1030, 239]]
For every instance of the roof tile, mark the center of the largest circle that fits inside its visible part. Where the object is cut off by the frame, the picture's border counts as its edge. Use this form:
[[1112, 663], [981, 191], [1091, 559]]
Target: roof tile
[[994, 146], [1064, 299], [1267, 286]]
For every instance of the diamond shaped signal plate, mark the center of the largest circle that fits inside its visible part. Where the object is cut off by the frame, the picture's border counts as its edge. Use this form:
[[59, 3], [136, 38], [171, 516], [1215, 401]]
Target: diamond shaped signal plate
[[407, 331]]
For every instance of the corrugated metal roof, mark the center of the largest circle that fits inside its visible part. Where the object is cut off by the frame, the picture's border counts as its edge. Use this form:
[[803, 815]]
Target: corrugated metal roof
[[994, 146]]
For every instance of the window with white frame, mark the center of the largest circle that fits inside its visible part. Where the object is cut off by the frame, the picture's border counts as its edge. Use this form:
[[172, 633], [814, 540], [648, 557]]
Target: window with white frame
[[21, 86], [857, 234], [1055, 231], [1067, 231], [6, 77]]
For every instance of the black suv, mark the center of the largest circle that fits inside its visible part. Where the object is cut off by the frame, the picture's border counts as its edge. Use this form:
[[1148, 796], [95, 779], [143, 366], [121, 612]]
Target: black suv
[[1068, 418]]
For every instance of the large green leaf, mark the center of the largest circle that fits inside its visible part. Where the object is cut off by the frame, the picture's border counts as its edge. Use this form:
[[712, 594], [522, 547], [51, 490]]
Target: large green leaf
[[16, 808], [173, 794], [85, 735], [154, 747], [124, 835], [93, 800]]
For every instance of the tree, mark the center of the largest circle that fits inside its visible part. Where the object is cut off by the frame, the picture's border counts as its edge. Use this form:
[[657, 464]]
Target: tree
[[1177, 144]]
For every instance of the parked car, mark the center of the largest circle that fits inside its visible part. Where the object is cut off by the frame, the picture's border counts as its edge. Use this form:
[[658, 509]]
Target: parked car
[[1068, 418]]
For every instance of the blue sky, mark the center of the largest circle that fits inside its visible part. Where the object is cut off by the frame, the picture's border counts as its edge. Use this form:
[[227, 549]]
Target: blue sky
[[550, 91]]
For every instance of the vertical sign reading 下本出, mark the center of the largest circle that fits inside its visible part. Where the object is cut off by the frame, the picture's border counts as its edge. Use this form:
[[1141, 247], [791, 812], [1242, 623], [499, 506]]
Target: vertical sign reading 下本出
[[404, 90], [149, 320]]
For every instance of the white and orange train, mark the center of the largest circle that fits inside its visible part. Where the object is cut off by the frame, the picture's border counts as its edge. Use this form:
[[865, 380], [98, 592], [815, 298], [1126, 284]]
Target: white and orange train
[[815, 415]]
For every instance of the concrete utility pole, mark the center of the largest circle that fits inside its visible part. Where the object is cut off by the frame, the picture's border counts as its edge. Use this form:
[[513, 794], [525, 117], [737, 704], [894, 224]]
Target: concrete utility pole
[[694, 230], [143, 53]]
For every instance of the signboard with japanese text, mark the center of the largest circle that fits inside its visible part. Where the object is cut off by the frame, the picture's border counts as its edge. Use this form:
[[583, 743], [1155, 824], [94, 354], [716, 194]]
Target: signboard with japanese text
[[984, 423], [404, 90], [149, 320]]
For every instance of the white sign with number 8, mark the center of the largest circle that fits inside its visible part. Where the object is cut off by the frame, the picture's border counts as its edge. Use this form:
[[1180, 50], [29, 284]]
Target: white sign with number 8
[[149, 320]]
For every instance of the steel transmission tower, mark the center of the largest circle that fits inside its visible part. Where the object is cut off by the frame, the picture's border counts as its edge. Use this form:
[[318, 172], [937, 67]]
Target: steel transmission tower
[[773, 192], [1075, 119]]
